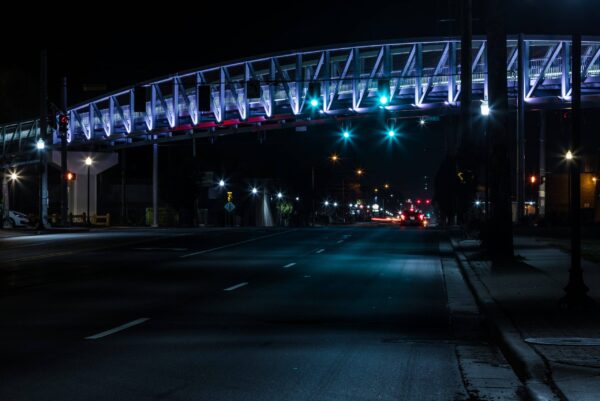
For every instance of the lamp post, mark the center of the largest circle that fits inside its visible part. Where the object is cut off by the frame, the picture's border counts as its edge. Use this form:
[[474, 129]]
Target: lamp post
[[485, 112], [88, 163], [13, 178], [43, 189]]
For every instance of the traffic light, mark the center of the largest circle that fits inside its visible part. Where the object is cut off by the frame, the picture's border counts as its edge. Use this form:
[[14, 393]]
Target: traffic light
[[253, 89], [70, 176], [63, 124], [204, 98], [314, 93], [383, 91]]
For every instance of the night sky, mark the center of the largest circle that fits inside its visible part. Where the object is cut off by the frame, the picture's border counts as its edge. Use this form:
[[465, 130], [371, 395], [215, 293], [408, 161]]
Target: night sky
[[112, 45]]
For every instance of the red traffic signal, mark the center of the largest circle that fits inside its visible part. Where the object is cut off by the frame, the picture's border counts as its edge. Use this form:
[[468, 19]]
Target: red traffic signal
[[427, 201], [418, 201], [63, 123]]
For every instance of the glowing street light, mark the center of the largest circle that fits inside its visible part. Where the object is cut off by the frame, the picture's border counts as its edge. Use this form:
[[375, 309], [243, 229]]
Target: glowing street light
[[391, 133], [384, 100], [485, 108], [279, 195], [569, 155], [314, 102], [13, 176], [335, 204], [422, 121], [387, 186], [360, 172], [40, 144], [346, 134], [334, 158], [532, 179], [221, 183], [254, 190], [326, 203]]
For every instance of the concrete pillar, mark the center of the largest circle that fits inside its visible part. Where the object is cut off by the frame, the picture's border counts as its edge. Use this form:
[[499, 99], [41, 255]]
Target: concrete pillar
[[77, 191], [155, 184]]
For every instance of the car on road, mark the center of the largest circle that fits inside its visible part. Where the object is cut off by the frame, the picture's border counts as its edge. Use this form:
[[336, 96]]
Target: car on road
[[17, 219], [413, 217]]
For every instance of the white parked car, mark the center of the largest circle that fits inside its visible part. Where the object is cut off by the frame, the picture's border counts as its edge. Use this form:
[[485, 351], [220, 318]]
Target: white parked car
[[17, 219]]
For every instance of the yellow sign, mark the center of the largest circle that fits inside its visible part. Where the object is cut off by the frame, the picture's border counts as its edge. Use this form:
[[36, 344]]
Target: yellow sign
[[229, 196]]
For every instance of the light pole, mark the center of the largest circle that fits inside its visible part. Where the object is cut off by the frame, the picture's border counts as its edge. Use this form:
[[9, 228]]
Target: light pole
[[88, 163], [43, 187], [485, 112], [13, 178]]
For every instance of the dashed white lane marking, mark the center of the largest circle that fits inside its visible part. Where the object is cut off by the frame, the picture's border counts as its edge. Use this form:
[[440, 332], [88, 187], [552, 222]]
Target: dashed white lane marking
[[320, 250], [160, 249], [117, 329], [235, 287], [340, 241], [289, 265], [234, 244]]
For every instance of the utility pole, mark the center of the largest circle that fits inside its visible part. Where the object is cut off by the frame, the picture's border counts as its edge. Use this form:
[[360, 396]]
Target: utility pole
[[576, 290], [501, 239], [520, 150], [64, 201], [466, 78], [43, 173]]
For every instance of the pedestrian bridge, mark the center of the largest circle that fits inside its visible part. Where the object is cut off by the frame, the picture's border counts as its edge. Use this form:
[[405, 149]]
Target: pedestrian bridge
[[423, 77]]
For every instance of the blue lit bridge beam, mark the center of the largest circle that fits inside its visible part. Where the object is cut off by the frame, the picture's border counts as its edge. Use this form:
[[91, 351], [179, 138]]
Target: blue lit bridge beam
[[424, 78]]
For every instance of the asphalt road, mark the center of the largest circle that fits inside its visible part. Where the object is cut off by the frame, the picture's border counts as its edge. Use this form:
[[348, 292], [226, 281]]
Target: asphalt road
[[350, 313]]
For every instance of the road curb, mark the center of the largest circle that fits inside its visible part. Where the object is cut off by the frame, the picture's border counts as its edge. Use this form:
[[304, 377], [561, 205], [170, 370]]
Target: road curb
[[529, 366]]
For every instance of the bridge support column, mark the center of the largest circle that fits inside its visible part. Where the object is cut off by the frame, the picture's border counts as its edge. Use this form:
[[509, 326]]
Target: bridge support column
[[77, 194], [155, 184]]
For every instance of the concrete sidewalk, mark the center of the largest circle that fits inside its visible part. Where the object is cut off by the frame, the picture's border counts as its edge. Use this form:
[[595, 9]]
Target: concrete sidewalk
[[555, 352]]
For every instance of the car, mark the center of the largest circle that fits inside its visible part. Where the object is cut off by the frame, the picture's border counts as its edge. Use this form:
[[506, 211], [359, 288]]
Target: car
[[413, 217], [17, 219]]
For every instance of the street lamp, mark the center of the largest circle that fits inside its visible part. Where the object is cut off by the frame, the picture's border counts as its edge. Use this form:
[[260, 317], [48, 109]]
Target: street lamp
[[40, 144], [14, 177], [334, 158], [569, 155], [88, 163], [221, 183], [279, 195], [360, 172], [254, 190]]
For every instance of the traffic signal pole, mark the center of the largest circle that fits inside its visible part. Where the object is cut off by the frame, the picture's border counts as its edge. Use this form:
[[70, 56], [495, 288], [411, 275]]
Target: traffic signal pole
[[43, 165], [64, 201]]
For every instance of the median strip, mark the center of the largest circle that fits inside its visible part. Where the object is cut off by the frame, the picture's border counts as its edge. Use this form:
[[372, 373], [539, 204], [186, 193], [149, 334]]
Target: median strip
[[117, 329]]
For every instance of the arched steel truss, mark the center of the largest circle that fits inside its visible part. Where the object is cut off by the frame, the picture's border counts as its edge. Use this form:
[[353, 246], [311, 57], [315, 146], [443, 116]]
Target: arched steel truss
[[424, 78]]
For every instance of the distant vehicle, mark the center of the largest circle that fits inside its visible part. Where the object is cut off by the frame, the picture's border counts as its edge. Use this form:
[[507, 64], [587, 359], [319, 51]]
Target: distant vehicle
[[413, 217], [17, 219]]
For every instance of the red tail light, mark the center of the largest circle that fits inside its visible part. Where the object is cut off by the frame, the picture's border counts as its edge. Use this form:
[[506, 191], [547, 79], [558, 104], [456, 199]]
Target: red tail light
[[421, 216]]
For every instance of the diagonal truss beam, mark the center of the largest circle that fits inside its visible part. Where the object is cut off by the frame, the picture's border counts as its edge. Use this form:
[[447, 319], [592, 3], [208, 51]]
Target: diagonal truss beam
[[550, 58]]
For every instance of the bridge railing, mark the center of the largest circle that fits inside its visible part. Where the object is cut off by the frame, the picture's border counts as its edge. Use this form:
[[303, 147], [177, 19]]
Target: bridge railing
[[424, 76]]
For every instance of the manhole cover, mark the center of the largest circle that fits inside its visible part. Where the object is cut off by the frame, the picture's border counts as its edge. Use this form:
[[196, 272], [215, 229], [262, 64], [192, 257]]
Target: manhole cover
[[564, 341]]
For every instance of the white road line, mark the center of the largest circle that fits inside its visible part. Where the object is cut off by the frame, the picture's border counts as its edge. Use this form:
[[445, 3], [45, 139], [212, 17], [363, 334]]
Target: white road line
[[320, 250], [160, 249], [289, 265], [234, 244], [235, 287], [340, 241], [117, 329]]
